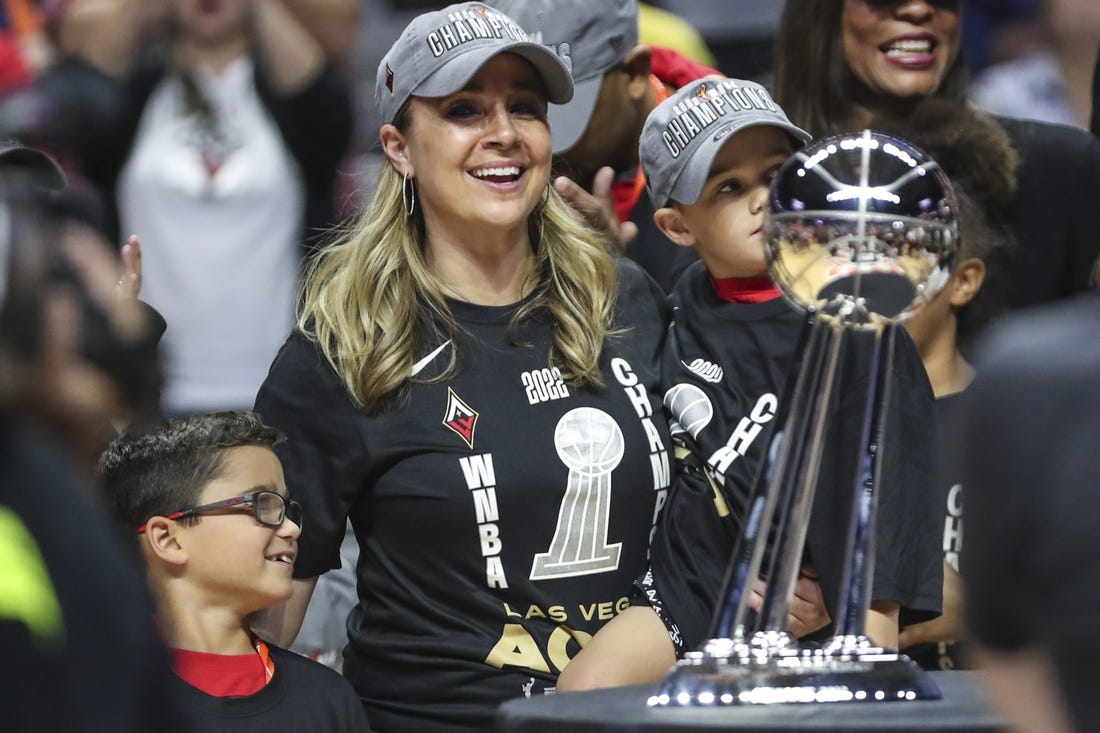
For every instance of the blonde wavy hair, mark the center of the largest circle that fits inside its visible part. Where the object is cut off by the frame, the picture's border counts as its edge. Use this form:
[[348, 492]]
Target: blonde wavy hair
[[371, 303]]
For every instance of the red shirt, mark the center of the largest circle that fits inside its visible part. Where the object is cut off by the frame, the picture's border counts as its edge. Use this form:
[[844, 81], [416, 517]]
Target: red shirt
[[745, 289], [225, 675]]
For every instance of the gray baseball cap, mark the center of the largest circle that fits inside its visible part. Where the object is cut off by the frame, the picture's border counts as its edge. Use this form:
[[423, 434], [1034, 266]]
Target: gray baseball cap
[[440, 51], [683, 134], [599, 34]]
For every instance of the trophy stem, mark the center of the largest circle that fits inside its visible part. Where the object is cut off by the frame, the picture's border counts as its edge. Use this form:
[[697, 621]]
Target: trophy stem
[[790, 533], [749, 548], [858, 576]]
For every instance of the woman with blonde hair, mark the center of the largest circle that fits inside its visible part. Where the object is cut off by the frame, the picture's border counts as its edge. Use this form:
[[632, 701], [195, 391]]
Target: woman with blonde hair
[[474, 382]]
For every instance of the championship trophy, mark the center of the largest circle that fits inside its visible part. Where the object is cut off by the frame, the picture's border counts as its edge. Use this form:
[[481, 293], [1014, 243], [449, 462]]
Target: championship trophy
[[861, 233]]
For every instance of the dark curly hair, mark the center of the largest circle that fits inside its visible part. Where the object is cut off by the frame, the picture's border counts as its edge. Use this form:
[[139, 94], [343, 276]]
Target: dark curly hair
[[163, 467], [977, 155]]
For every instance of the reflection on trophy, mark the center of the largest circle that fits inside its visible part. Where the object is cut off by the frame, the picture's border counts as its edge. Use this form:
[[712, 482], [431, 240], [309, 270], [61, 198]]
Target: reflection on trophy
[[861, 233]]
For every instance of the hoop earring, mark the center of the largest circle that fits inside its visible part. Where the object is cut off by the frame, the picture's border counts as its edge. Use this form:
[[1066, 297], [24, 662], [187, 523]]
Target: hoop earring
[[408, 194]]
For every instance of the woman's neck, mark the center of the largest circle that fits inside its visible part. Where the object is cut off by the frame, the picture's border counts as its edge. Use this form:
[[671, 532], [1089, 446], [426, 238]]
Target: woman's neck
[[865, 105], [494, 273]]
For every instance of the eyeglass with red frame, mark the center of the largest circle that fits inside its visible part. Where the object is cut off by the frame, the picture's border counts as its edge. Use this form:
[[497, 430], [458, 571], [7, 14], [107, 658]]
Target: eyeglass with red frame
[[268, 508]]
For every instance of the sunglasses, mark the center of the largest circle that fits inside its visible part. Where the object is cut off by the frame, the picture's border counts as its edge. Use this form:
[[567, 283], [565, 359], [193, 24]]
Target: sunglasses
[[268, 508]]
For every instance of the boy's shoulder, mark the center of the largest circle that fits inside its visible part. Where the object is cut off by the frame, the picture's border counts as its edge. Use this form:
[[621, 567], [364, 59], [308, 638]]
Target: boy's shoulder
[[639, 298], [303, 696], [307, 679], [694, 300]]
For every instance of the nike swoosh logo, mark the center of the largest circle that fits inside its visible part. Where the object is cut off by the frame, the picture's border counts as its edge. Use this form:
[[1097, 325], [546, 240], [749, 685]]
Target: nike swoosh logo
[[419, 366]]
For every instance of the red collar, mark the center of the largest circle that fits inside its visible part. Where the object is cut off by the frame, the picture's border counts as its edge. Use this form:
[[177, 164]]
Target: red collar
[[226, 675], [745, 289]]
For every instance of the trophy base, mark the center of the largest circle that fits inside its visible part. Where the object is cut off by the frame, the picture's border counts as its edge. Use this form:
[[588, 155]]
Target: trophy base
[[837, 673]]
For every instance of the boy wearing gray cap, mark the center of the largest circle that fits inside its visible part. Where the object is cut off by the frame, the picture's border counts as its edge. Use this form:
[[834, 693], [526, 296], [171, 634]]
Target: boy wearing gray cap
[[709, 153]]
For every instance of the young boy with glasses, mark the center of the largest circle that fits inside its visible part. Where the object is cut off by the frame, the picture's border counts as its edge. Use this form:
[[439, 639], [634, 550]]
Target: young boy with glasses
[[206, 498]]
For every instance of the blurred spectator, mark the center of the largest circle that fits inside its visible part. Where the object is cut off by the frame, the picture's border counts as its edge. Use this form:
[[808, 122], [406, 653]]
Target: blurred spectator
[[659, 27], [334, 23], [1052, 82], [739, 32], [80, 401], [80, 649], [25, 48], [997, 30], [219, 137], [1094, 123], [82, 27], [1027, 449]]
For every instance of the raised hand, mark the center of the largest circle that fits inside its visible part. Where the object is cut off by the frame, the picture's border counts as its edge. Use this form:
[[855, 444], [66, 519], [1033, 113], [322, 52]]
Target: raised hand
[[597, 208]]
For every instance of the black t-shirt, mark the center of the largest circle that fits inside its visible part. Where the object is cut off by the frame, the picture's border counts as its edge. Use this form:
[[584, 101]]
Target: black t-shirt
[[502, 515], [1052, 216], [1027, 447], [944, 655], [725, 367], [78, 649], [303, 697]]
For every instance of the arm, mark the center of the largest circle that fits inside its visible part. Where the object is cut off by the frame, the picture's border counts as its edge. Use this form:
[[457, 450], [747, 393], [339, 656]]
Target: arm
[[108, 34], [807, 613], [334, 23], [279, 624], [632, 648], [291, 55], [945, 627], [597, 209], [882, 623]]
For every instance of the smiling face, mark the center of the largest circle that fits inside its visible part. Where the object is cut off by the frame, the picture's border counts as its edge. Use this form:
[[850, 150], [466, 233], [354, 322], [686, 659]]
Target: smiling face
[[725, 224], [481, 156], [900, 48], [232, 559]]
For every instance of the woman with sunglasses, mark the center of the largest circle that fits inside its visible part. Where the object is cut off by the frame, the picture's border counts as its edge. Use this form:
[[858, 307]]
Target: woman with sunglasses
[[474, 383], [206, 498]]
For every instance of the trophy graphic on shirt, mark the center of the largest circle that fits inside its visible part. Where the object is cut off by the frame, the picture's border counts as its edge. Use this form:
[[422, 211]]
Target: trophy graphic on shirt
[[861, 233]]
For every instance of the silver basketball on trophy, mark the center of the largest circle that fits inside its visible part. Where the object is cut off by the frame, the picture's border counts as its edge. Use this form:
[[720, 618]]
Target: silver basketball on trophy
[[864, 223]]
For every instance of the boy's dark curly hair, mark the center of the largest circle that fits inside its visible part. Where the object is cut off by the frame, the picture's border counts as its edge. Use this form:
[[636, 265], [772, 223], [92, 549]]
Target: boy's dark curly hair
[[977, 155], [161, 468]]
